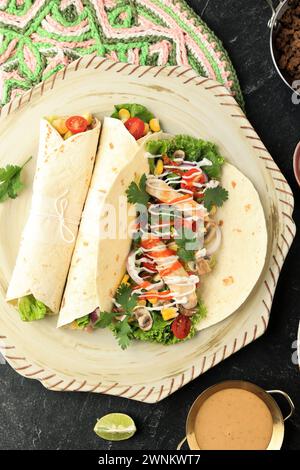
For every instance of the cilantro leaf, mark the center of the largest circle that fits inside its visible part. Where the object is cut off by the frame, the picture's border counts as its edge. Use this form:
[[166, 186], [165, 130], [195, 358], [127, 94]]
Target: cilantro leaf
[[10, 182], [215, 196], [136, 193], [121, 329], [126, 299], [135, 109], [105, 319], [123, 332], [187, 246]]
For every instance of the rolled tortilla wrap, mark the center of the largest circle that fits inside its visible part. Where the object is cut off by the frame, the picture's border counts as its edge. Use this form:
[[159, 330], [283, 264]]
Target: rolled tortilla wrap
[[62, 178], [117, 147]]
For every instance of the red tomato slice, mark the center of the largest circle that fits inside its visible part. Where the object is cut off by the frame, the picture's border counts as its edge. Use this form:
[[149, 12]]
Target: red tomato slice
[[135, 126], [150, 243], [149, 266], [188, 182], [181, 326], [162, 253], [76, 124]]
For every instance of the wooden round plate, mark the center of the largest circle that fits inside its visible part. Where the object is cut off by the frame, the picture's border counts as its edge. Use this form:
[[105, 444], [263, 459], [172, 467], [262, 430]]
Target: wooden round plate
[[186, 103]]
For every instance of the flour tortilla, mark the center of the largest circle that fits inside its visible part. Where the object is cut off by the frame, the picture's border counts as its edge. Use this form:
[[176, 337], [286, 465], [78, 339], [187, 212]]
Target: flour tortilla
[[241, 257], [117, 148], [62, 178]]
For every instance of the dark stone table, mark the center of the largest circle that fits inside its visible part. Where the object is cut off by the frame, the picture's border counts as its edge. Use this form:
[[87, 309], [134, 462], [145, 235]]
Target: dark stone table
[[34, 418]]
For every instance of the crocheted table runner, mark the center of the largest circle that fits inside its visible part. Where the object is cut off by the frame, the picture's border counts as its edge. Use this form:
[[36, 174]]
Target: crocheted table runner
[[40, 37]]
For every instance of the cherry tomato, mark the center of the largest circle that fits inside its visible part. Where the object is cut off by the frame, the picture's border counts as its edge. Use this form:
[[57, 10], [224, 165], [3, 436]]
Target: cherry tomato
[[135, 126], [77, 124], [181, 326]]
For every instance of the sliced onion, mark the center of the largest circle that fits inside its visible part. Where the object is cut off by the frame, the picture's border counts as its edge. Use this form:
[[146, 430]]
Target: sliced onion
[[94, 316], [192, 266], [131, 268], [215, 244]]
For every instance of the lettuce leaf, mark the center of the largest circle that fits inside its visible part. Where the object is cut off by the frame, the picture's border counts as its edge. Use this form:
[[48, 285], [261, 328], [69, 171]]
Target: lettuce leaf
[[136, 110], [161, 330], [31, 309], [195, 150], [82, 322]]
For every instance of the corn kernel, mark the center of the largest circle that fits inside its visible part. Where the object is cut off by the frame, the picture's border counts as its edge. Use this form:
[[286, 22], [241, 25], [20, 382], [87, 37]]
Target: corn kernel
[[125, 280], [146, 128], [159, 167], [67, 135], [154, 125], [60, 126], [172, 246], [169, 313], [124, 114], [88, 117], [213, 210], [142, 303], [153, 300], [51, 118], [74, 325]]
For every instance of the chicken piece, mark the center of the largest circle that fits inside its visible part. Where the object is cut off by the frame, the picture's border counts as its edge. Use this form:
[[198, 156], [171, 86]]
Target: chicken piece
[[164, 193]]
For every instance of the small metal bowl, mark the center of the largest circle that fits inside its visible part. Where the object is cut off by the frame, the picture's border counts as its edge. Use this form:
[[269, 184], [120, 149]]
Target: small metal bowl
[[265, 395], [274, 25]]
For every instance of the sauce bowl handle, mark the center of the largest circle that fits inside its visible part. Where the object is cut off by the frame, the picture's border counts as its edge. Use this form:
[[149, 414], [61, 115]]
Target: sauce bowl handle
[[288, 399], [181, 443]]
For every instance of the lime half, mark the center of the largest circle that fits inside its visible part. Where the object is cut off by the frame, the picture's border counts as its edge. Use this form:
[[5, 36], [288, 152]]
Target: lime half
[[115, 427]]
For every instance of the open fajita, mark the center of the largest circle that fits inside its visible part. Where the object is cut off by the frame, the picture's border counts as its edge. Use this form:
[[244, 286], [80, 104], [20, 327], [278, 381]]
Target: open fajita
[[66, 155], [194, 214]]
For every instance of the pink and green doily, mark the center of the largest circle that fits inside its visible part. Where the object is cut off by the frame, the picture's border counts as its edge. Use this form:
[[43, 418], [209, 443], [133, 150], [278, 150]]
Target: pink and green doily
[[38, 38]]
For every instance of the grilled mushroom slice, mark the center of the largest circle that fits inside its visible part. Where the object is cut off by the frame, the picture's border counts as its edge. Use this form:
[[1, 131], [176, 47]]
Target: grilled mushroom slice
[[188, 312], [144, 318]]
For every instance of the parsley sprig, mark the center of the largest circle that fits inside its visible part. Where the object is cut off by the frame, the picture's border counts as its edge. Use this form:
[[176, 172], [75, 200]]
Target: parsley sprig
[[10, 181], [136, 193], [121, 329]]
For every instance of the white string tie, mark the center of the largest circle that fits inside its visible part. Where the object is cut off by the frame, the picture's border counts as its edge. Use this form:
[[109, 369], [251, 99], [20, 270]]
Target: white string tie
[[61, 205]]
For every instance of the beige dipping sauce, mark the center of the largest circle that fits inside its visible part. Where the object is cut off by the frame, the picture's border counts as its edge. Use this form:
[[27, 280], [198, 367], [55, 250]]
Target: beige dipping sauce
[[233, 419]]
